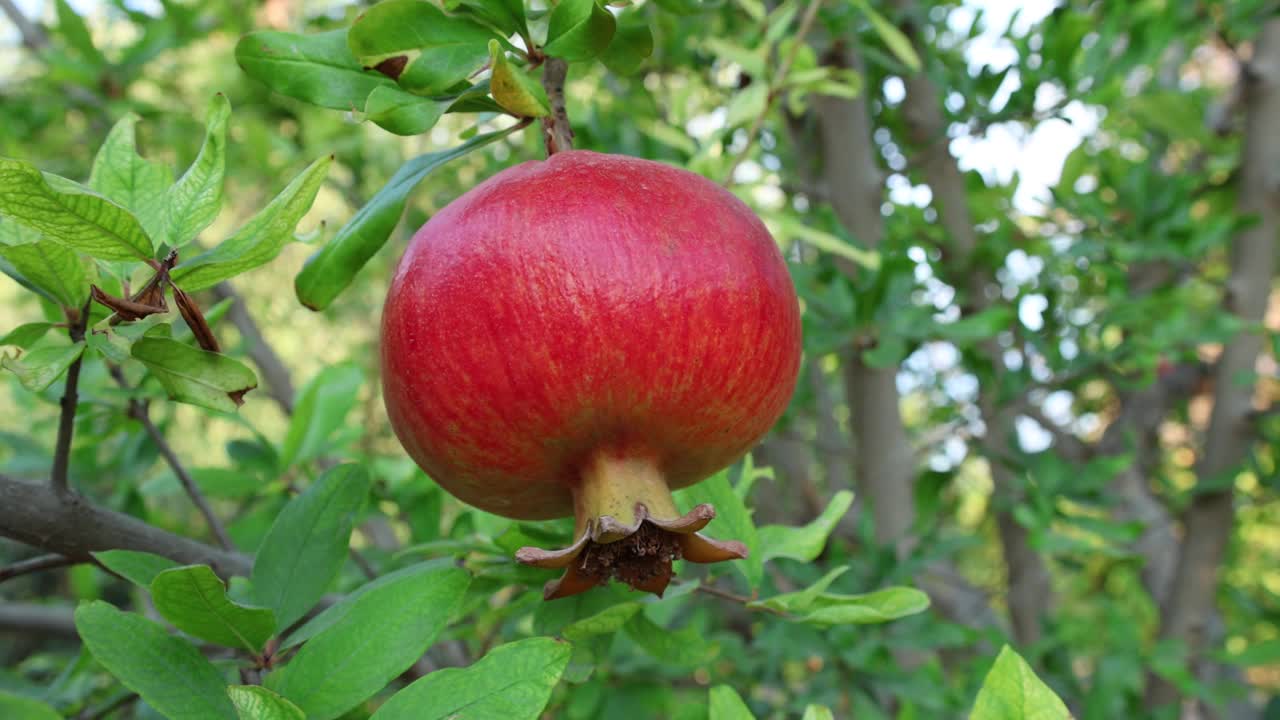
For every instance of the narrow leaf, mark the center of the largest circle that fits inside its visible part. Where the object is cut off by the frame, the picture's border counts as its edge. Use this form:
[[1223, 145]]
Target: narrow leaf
[[54, 268], [631, 45], [682, 647], [876, 607], [26, 335], [307, 544], [321, 409], [70, 214], [606, 622], [258, 703], [39, 368], [415, 43], [384, 633], [1011, 691], [506, 16], [726, 704], [332, 269], [513, 89], [169, 673], [195, 376], [318, 69], [898, 43], [193, 202], [805, 543], [194, 599], [403, 113], [126, 178], [17, 707], [139, 568], [258, 241], [512, 681], [579, 30]]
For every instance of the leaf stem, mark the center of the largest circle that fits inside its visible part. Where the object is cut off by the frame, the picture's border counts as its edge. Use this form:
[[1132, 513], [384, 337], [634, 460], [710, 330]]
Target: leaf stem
[[70, 399]]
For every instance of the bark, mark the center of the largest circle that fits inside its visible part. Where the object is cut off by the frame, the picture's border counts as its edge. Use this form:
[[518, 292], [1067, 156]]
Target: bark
[[274, 372], [1209, 522], [557, 134], [884, 462], [37, 516], [37, 619], [1030, 592]]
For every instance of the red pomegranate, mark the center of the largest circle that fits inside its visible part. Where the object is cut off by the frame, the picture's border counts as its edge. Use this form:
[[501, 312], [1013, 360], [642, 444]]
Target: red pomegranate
[[582, 335]]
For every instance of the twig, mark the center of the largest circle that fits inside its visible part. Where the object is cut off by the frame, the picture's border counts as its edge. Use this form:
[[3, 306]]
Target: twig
[[363, 563], [111, 707], [32, 619], [775, 85], [274, 371], [714, 591], [37, 564], [33, 36], [557, 134], [70, 399], [138, 410]]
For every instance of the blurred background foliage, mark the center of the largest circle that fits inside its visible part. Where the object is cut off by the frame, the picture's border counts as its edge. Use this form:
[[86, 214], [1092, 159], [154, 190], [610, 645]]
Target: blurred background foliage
[[1044, 378]]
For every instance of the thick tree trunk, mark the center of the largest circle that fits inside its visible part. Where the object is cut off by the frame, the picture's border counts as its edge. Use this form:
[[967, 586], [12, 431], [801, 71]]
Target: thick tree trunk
[[1209, 522]]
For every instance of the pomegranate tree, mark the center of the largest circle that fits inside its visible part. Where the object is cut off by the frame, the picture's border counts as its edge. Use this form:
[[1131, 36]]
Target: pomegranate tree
[[582, 335]]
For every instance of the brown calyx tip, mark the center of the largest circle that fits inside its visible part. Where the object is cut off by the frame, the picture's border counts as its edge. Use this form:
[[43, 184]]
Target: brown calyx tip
[[639, 555]]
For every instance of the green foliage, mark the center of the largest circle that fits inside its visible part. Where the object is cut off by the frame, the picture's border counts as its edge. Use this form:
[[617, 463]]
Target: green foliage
[[1012, 691], [258, 703], [195, 376], [196, 602], [579, 30], [139, 568]]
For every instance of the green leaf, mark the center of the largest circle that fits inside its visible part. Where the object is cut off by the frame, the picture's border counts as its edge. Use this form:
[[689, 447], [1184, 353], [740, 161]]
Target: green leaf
[[54, 268], [195, 376], [1264, 652], [1011, 691], [339, 610], [318, 69], [805, 543], [425, 50], [579, 30], [981, 326], [876, 607], [513, 89], [73, 29], [818, 712], [512, 681], [726, 704], [258, 703], [193, 202], [683, 647], [169, 673], [747, 105], [70, 214], [801, 600], [733, 521], [384, 632], [16, 707], [786, 225], [12, 233], [606, 622], [26, 335], [321, 409], [897, 43], [403, 113], [631, 45], [139, 568], [331, 270], [194, 599], [260, 240], [506, 16], [126, 178], [39, 368], [307, 544]]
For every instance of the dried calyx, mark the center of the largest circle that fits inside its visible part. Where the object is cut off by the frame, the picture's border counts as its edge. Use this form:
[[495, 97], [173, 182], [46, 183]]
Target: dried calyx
[[628, 528]]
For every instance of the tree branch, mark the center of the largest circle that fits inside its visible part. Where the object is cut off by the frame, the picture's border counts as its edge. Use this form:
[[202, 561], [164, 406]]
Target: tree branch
[[557, 134], [36, 564], [37, 516], [1209, 522], [40, 619], [139, 412], [79, 320], [274, 371], [33, 36]]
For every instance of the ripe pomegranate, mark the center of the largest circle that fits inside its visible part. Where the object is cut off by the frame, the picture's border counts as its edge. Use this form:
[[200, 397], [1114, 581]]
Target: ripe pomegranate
[[582, 335]]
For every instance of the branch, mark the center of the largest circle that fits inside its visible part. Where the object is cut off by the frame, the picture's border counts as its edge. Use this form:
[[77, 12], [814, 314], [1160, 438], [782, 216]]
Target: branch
[[33, 36], [37, 516], [1210, 520], [36, 564], [274, 371], [557, 134], [138, 411], [40, 619], [70, 399], [775, 85]]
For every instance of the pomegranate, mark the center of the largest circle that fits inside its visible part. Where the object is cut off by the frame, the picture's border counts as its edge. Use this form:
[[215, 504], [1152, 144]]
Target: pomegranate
[[583, 335]]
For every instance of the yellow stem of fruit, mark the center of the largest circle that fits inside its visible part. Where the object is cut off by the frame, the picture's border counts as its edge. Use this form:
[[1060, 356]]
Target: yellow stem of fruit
[[614, 486]]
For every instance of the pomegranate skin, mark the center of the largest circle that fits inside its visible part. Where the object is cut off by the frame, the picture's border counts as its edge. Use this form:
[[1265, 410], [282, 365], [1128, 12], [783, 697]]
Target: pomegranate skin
[[584, 305]]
